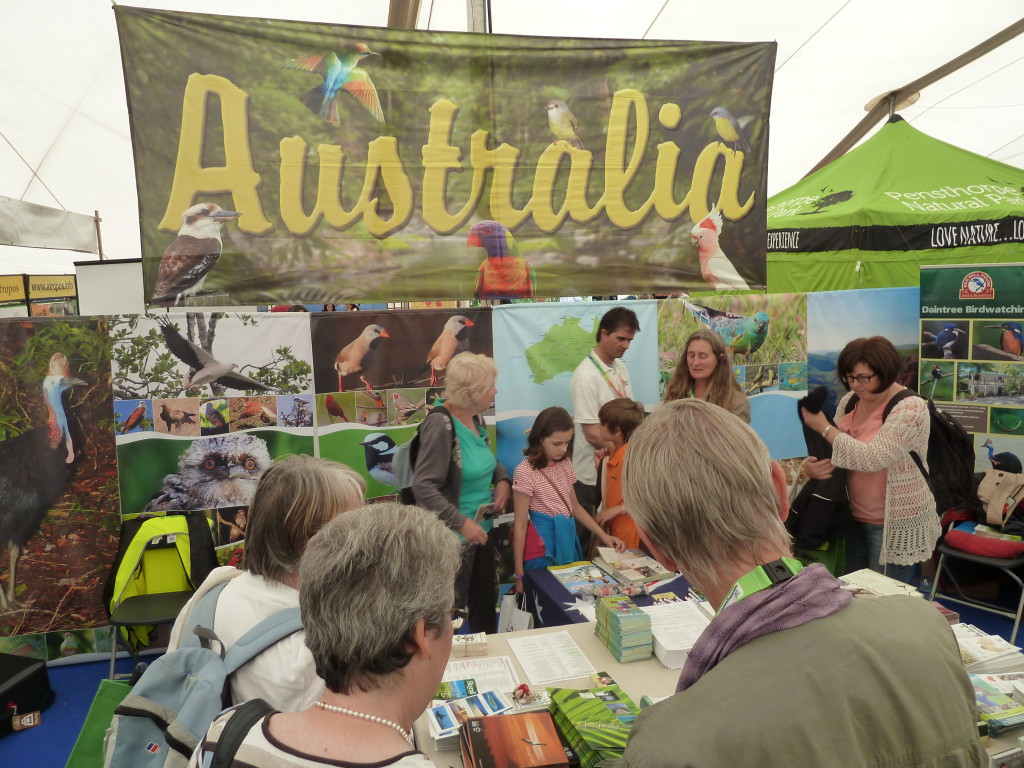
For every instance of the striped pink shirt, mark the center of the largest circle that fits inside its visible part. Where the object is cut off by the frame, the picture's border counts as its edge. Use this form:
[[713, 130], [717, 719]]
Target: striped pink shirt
[[543, 497]]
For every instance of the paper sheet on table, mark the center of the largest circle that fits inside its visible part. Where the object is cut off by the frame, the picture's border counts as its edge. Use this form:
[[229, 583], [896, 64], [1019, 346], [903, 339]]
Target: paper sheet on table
[[492, 673], [677, 625], [550, 658]]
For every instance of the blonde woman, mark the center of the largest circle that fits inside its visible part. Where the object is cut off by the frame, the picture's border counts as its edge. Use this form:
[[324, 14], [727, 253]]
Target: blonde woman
[[455, 474], [294, 499], [705, 372]]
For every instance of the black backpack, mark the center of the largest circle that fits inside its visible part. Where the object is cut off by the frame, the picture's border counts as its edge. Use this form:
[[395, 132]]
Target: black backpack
[[950, 474]]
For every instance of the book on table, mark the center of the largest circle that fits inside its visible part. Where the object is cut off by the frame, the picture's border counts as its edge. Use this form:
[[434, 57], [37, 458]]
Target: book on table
[[523, 740], [580, 576], [630, 568]]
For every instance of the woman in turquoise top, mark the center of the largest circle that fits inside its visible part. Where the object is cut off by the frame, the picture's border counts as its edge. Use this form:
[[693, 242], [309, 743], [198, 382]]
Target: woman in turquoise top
[[454, 475]]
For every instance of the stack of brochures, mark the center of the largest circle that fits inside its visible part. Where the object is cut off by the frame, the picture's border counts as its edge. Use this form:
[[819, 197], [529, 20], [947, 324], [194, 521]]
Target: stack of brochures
[[675, 627], [996, 705], [631, 567], [595, 722], [526, 740], [624, 629], [983, 653]]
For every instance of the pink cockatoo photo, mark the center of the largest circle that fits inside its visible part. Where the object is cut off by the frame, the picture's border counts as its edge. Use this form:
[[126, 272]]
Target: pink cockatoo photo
[[715, 266]]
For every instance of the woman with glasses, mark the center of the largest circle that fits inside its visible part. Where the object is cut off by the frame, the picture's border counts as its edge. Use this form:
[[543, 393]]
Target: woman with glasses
[[377, 589], [896, 523], [705, 372]]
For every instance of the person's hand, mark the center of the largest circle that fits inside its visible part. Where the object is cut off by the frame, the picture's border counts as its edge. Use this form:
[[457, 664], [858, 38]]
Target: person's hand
[[599, 456], [473, 533], [617, 543], [519, 586], [816, 421], [502, 495], [607, 514], [818, 469]]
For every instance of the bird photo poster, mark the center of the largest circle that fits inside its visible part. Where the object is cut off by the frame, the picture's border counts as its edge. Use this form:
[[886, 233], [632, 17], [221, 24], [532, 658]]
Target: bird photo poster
[[58, 485], [972, 355], [378, 374], [767, 337], [204, 402], [296, 162]]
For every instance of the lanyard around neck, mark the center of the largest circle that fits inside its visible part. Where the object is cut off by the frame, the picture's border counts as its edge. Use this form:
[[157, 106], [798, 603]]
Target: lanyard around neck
[[604, 374], [762, 577]]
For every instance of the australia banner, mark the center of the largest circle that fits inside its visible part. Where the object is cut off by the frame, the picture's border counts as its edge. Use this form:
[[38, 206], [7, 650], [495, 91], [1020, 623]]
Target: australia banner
[[281, 162]]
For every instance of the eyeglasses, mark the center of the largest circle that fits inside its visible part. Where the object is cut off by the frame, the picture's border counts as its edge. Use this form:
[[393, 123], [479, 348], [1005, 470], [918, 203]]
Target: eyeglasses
[[850, 378], [458, 618]]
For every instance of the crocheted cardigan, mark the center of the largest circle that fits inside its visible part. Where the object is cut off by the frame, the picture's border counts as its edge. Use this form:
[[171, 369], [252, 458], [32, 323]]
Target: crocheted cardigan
[[911, 523]]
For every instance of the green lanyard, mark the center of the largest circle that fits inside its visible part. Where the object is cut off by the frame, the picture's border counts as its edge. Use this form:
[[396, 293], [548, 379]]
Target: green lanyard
[[762, 577], [607, 378]]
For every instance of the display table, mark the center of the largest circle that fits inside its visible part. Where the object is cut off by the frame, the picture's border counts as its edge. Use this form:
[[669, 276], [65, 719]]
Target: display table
[[552, 605], [637, 678]]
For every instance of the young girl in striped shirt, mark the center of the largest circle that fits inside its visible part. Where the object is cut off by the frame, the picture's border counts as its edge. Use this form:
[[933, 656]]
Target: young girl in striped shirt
[[544, 531]]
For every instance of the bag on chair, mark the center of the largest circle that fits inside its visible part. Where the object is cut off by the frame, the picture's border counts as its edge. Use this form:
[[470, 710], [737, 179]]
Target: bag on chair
[[1000, 492]]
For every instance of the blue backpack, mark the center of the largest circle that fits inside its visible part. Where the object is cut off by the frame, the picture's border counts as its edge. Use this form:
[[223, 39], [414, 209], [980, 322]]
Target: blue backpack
[[179, 695]]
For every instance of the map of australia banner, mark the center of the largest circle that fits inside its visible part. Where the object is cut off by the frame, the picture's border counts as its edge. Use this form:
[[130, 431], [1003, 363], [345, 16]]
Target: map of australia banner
[[281, 162]]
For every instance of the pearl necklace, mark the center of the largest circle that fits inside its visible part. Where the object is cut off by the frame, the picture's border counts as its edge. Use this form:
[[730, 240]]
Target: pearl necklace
[[407, 735]]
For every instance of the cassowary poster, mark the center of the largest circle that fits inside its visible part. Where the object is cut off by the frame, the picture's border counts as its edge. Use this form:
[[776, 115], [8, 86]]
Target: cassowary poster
[[59, 502]]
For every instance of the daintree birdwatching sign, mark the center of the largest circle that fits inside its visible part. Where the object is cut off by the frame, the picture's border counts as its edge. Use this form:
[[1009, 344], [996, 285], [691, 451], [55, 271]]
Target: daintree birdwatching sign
[[353, 163]]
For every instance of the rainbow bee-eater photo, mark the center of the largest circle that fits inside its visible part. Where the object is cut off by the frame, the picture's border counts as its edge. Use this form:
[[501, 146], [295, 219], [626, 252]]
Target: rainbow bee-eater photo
[[340, 72]]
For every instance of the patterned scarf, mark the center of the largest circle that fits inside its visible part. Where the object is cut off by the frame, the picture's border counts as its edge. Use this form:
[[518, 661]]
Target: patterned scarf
[[812, 594]]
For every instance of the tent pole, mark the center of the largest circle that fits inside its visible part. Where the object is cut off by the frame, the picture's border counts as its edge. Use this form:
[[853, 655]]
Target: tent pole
[[99, 239], [876, 112]]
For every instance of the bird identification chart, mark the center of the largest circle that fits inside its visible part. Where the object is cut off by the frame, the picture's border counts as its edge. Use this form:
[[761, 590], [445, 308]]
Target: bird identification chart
[[204, 402], [59, 506], [281, 161], [378, 374], [972, 355]]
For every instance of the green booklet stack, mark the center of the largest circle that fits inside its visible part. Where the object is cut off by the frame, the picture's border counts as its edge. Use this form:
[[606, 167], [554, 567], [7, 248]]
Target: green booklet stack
[[624, 629], [595, 722]]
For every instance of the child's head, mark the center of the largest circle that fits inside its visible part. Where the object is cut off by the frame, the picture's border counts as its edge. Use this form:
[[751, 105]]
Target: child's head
[[550, 438], [621, 416]]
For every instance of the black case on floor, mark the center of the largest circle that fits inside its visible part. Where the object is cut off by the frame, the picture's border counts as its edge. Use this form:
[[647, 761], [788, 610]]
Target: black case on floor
[[24, 686]]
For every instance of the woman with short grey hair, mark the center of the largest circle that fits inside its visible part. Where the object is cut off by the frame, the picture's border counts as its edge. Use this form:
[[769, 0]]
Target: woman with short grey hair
[[454, 475], [376, 597]]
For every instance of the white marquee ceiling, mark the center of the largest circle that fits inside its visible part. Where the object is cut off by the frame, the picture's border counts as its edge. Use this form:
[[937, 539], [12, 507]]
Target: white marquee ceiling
[[64, 137]]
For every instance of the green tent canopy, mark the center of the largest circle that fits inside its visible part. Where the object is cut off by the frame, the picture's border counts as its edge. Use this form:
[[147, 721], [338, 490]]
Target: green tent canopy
[[898, 201]]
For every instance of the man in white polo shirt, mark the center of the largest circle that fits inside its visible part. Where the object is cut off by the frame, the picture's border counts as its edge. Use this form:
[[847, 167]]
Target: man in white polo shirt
[[600, 377]]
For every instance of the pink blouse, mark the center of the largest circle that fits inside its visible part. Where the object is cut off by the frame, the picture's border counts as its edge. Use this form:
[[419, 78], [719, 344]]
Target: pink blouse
[[867, 489]]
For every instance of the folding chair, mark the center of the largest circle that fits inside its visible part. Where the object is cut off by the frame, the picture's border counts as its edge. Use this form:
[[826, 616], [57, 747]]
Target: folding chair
[[1007, 566]]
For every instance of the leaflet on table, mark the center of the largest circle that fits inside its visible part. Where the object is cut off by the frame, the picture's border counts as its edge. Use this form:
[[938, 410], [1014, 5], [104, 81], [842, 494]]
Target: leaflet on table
[[492, 673], [874, 583], [550, 658], [578, 577], [997, 709], [676, 625], [446, 716], [982, 652]]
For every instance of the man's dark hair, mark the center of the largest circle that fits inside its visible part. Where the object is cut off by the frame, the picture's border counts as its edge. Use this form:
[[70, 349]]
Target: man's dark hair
[[618, 317]]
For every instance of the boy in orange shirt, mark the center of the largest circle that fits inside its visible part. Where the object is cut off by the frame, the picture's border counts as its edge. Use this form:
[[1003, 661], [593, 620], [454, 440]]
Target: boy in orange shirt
[[618, 419]]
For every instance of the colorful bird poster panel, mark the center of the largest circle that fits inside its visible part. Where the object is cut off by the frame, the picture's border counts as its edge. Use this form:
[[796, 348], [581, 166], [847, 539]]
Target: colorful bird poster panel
[[766, 336], [58, 485], [972, 356], [205, 402], [379, 374], [541, 345], [293, 162]]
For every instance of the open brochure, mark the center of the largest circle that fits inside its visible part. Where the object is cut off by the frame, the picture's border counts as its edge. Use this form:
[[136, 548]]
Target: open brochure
[[630, 567], [580, 578]]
